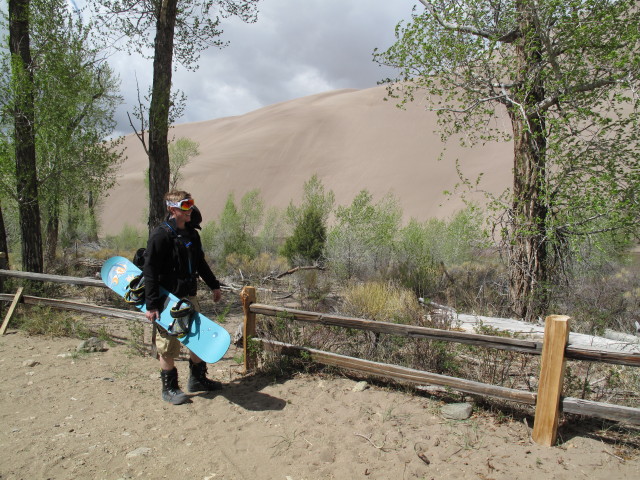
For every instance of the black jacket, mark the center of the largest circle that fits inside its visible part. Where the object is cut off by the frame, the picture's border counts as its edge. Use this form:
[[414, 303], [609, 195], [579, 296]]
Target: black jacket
[[174, 259]]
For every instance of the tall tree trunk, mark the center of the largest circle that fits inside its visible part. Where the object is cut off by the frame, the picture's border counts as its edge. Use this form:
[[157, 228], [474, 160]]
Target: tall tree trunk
[[159, 111], [26, 175], [92, 233], [528, 263], [52, 233], [4, 247], [528, 266]]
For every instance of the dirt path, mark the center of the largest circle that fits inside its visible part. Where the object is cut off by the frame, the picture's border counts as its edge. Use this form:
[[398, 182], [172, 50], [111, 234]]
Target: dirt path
[[100, 416]]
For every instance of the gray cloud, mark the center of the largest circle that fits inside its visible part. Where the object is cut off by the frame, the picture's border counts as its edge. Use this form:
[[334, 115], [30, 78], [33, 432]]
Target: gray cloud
[[296, 48]]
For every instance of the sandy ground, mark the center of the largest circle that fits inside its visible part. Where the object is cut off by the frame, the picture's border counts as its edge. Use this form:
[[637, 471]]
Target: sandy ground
[[100, 416]]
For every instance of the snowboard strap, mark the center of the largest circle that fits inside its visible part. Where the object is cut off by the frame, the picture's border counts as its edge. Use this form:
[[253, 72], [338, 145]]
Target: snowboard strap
[[182, 314], [135, 291]]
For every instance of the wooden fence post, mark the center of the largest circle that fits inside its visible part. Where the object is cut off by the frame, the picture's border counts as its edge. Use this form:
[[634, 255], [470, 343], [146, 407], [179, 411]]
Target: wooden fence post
[[15, 302], [248, 296], [556, 335]]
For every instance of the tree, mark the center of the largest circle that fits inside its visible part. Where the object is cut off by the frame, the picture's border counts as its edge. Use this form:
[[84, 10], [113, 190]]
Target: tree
[[75, 103], [237, 226], [73, 106], [362, 239], [25, 144], [270, 235], [314, 197], [180, 153], [251, 213], [309, 222], [566, 74], [308, 239], [182, 28]]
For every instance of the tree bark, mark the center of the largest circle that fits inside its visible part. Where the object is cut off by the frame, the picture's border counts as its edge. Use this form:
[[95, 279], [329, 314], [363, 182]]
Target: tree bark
[[4, 247], [159, 110], [528, 263], [26, 173], [52, 234], [92, 233]]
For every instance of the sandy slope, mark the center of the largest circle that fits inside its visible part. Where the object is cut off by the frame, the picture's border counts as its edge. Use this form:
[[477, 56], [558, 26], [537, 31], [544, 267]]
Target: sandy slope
[[99, 416], [352, 139]]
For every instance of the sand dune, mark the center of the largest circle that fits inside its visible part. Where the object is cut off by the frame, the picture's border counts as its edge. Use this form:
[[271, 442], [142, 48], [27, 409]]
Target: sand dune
[[352, 139]]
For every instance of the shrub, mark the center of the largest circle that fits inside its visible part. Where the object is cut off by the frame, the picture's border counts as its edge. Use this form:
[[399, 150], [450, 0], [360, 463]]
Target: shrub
[[381, 301], [608, 300], [256, 269], [306, 245], [129, 239], [38, 320], [415, 265], [362, 241]]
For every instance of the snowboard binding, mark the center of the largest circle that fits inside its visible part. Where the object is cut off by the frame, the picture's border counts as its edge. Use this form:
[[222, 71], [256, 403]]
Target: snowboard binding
[[182, 314], [135, 291]]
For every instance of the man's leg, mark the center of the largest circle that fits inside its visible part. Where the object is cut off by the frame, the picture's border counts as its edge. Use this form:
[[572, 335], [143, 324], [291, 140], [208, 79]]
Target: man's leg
[[198, 381], [168, 348]]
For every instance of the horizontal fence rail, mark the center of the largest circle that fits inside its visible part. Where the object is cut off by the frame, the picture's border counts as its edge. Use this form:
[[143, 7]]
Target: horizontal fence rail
[[79, 307], [43, 277], [402, 374], [489, 341], [420, 377]]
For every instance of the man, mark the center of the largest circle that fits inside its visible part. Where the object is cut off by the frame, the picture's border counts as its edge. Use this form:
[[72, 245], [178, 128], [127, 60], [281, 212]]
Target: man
[[174, 259]]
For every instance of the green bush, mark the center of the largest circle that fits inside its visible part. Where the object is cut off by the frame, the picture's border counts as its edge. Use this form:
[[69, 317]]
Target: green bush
[[306, 245], [415, 265], [361, 243], [37, 320], [129, 239], [381, 301]]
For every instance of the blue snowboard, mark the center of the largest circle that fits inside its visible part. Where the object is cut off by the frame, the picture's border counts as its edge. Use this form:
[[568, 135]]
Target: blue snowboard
[[206, 339]]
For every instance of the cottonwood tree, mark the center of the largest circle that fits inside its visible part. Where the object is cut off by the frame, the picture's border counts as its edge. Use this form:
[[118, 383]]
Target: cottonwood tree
[[74, 99], [362, 238], [180, 154], [314, 197], [168, 28], [566, 74], [237, 226], [23, 109]]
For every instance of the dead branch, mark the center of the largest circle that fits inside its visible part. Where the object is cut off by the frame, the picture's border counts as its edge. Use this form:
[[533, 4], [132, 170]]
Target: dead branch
[[294, 270]]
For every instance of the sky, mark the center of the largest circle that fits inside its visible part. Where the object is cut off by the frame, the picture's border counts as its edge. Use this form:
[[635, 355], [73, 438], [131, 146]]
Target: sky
[[295, 49]]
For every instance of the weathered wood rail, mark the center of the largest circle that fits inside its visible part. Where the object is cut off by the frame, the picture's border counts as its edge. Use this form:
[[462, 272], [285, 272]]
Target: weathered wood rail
[[554, 352], [412, 331]]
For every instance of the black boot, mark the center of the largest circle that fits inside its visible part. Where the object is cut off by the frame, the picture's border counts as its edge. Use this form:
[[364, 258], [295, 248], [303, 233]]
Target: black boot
[[170, 390], [198, 381]]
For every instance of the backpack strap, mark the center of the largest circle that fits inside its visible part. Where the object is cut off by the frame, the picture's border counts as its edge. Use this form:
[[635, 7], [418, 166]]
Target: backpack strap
[[187, 244]]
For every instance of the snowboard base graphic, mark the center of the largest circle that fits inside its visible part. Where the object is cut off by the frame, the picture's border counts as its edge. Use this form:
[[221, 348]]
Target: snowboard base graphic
[[205, 338]]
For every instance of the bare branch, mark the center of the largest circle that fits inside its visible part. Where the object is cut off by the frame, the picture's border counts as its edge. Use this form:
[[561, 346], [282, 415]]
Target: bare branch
[[139, 134], [294, 270]]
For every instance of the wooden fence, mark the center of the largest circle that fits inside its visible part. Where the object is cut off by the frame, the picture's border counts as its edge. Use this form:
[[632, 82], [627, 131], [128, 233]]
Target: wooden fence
[[554, 351]]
